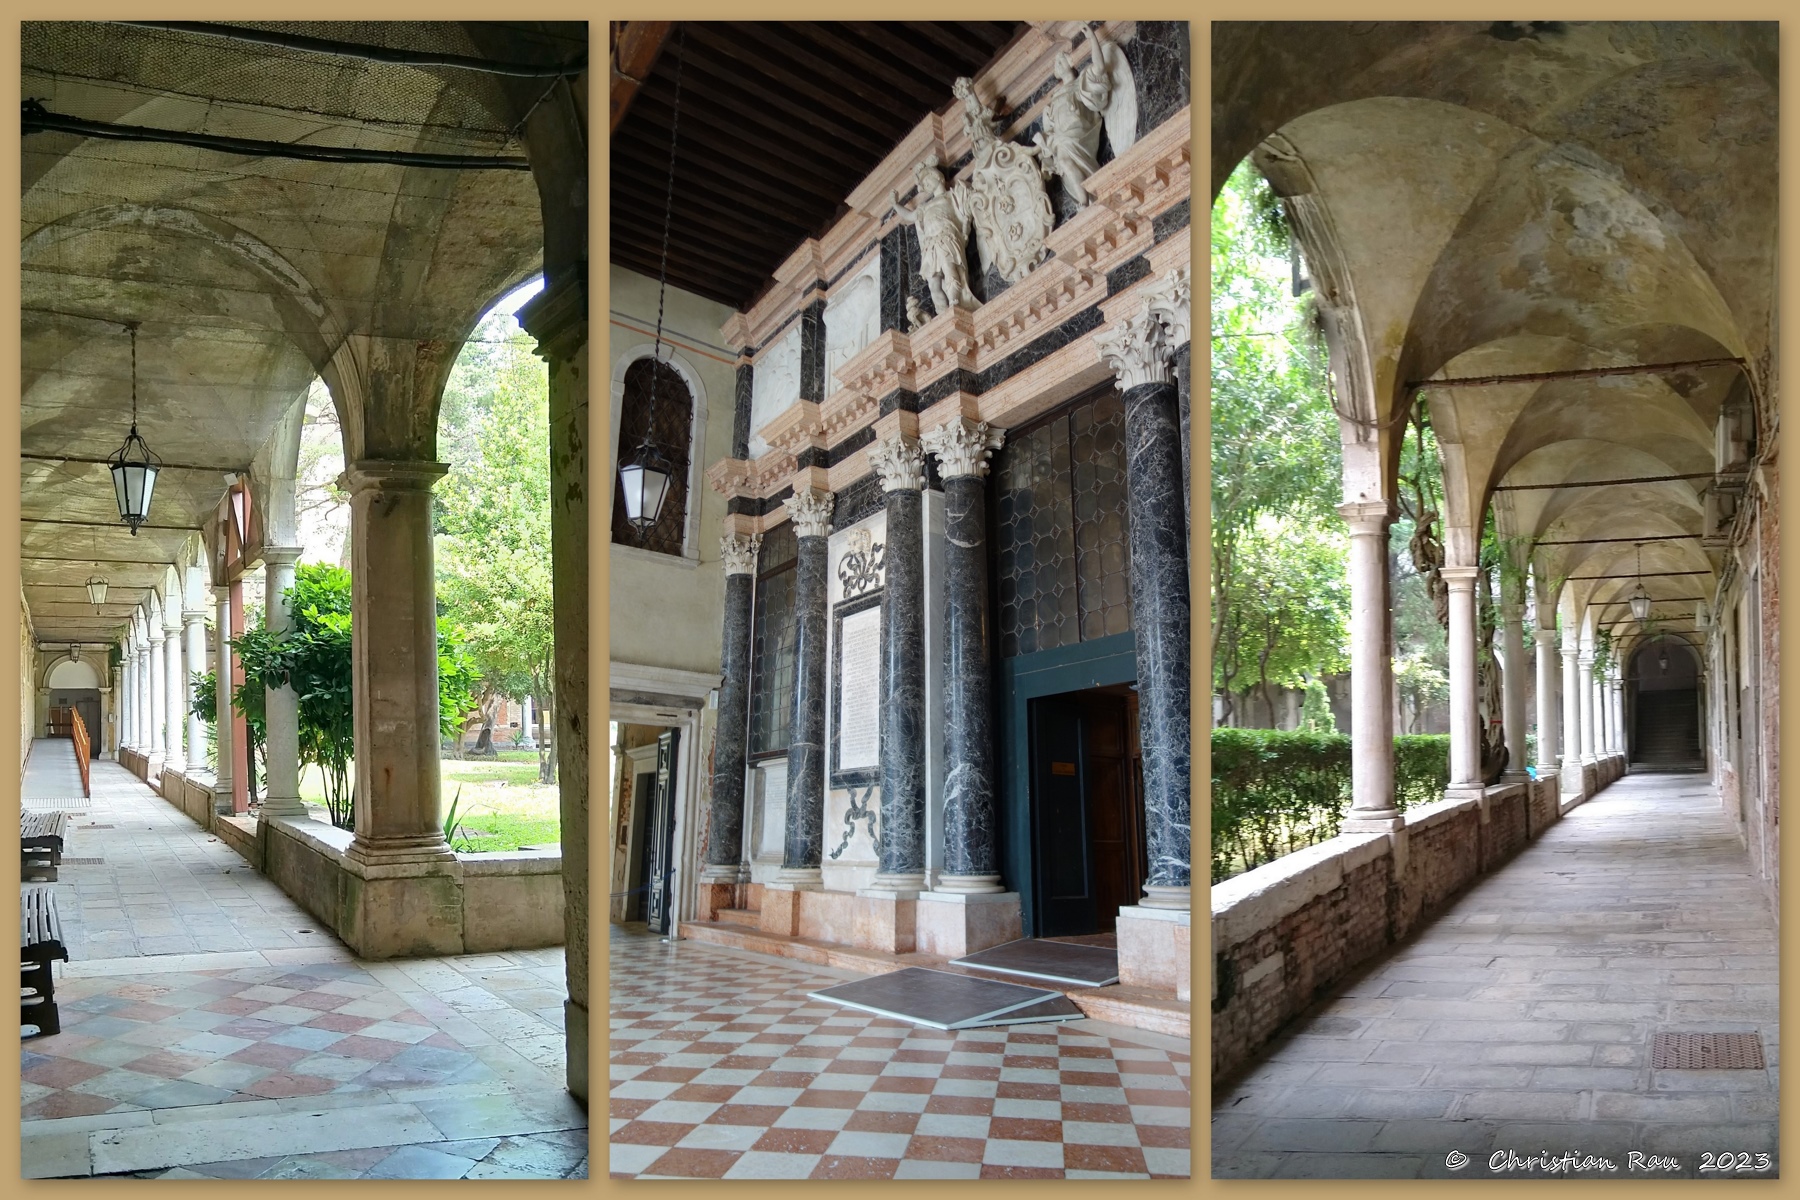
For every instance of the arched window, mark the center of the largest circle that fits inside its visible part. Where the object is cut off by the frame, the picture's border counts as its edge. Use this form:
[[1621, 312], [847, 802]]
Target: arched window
[[671, 426]]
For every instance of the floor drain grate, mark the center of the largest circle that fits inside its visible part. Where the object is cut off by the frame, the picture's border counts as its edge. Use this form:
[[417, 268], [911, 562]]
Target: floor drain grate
[[1707, 1052], [83, 862]]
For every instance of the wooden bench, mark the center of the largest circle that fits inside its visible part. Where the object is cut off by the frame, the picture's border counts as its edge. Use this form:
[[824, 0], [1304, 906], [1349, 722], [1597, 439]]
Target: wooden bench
[[40, 941], [41, 845]]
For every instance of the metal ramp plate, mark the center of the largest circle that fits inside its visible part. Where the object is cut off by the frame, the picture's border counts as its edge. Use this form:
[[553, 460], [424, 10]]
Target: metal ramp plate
[[1057, 962], [941, 999]]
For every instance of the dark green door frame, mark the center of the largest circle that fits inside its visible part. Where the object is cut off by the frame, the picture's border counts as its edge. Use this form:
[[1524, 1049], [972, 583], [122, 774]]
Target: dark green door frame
[[1099, 663]]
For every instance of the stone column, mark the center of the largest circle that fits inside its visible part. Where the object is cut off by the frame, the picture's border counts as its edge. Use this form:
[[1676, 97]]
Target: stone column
[[557, 317], [1371, 672], [1465, 714], [1585, 681], [127, 694], [731, 740], [1547, 739], [971, 851], [1512, 632], [900, 844], [281, 706], [394, 671], [175, 671], [115, 714], [144, 713], [159, 692], [804, 846], [222, 720], [1571, 756], [528, 723], [1141, 352], [194, 627], [1620, 742]]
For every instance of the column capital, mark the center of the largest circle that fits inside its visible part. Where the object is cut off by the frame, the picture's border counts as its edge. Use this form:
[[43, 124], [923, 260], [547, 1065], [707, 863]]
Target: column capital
[[386, 476], [738, 553], [557, 316], [1459, 578], [1141, 348], [900, 461], [193, 616], [1367, 516], [963, 447], [281, 556], [810, 512]]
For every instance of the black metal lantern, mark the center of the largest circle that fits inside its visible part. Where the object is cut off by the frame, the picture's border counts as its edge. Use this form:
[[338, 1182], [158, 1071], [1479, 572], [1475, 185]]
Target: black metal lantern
[[645, 477], [645, 480], [1640, 600], [96, 590], [134, 465]]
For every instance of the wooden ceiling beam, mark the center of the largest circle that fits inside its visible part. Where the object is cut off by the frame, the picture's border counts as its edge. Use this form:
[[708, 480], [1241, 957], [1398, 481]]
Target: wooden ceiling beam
[[636, 45], [789, 62], [695, 203], [752, 154], [725, 77], [756, 65], [689, 172], [921, 87]]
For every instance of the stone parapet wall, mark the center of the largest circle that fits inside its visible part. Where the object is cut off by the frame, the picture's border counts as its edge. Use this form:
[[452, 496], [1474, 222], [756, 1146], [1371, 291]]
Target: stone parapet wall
[[1287, 933]]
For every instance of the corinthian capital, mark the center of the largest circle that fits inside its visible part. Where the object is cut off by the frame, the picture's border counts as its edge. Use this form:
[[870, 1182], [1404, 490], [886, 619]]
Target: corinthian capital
[[738, 553], [810, 511], [963, 447], [900, 463], [1141, 348]]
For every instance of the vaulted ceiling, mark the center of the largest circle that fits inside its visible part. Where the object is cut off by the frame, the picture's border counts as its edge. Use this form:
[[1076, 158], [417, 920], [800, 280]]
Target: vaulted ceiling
[[779, 121]]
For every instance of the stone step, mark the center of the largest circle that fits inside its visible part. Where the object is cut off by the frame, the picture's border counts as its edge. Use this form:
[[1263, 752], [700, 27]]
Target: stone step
[[748, 918]]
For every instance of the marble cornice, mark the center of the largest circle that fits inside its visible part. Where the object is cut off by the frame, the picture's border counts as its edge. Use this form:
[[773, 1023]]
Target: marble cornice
[[1149, 177], [795, 428]]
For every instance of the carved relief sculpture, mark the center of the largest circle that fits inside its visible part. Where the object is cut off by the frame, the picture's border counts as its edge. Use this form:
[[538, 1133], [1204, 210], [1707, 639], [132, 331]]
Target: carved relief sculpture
[[1007, 202], [942, 219]]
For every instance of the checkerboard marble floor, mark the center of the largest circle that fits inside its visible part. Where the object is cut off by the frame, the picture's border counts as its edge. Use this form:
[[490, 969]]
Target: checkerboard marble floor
[[722, 1068], [282, 1060]]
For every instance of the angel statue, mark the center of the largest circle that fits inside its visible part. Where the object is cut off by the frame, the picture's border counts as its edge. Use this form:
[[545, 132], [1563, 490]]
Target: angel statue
[[978, 115], [942, 219], [1069, 139], [915, 314]]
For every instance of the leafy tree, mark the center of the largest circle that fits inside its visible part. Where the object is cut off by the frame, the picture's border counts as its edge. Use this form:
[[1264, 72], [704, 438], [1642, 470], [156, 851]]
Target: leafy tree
[[1275, 444], [1289, 621], [493, 521]]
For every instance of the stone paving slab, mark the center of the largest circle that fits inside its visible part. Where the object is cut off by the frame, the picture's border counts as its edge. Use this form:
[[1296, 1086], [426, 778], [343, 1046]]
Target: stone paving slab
[[294, 1061], [1521, 1019]]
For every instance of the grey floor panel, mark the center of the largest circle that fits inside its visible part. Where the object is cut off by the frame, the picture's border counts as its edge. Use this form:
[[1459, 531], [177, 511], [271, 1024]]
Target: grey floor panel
[[938, 999], [1058, 962]]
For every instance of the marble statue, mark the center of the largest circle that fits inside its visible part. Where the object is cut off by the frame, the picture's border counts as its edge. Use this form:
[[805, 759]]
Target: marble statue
[[1068, 140], [942, 220], [1007, 204], [915, 314]]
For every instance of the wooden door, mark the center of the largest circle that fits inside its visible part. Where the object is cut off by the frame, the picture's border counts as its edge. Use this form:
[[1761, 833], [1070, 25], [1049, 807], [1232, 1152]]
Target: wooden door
[[662, 837]]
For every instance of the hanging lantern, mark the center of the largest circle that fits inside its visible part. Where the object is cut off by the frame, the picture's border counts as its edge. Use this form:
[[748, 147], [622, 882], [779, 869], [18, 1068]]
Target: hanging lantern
[[1640, 600], [134, 466], [645, 480], [1662, 660], [646, 476], [96, 590]]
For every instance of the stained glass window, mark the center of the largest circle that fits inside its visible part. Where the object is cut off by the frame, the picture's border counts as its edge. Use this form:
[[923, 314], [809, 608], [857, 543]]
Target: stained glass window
[[1062, 559], [772, 642], [670, 425]]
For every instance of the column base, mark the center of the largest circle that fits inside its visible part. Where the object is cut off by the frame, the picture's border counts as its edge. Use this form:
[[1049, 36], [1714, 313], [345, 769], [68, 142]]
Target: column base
[[781, 908], [1154, 949], [381, 853], [1375, 820], [953, 924], [895, 885], [968, 885], [714, 898], [802, 878], [887, 921], [221, 795], [1167, 896], [292, 807], [714, 873], [575, 1027]]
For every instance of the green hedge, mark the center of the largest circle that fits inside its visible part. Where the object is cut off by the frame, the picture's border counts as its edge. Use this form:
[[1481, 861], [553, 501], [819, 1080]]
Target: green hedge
[[1274, 791]]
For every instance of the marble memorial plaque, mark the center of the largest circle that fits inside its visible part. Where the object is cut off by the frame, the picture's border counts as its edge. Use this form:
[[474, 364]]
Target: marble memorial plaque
[[858, 682]]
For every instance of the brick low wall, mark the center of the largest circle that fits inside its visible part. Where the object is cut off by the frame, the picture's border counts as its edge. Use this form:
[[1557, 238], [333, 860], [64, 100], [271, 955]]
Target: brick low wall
[[1286, 934]]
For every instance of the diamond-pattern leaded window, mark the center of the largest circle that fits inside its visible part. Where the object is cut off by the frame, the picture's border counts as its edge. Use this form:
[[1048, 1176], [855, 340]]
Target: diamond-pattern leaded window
[[671, 426], [1062, 556], [773, 633]]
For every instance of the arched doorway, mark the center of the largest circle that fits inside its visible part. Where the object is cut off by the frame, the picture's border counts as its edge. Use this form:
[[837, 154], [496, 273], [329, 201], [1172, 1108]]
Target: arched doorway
[[75, 684], [1665, 685]]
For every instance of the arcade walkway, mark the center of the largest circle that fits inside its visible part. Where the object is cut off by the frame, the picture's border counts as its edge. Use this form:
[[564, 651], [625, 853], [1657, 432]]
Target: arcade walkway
[[1523, 1018], [211, 1028]]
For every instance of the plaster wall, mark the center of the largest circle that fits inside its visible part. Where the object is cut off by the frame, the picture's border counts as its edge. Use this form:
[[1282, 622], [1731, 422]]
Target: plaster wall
[[27, 689], [667, 611]]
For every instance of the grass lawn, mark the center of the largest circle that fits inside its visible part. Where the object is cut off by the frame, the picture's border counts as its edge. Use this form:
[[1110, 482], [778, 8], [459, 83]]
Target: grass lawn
[[502, 807]]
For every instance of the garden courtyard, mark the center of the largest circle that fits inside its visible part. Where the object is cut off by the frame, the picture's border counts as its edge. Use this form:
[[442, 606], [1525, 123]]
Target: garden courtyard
[[500, 805]]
